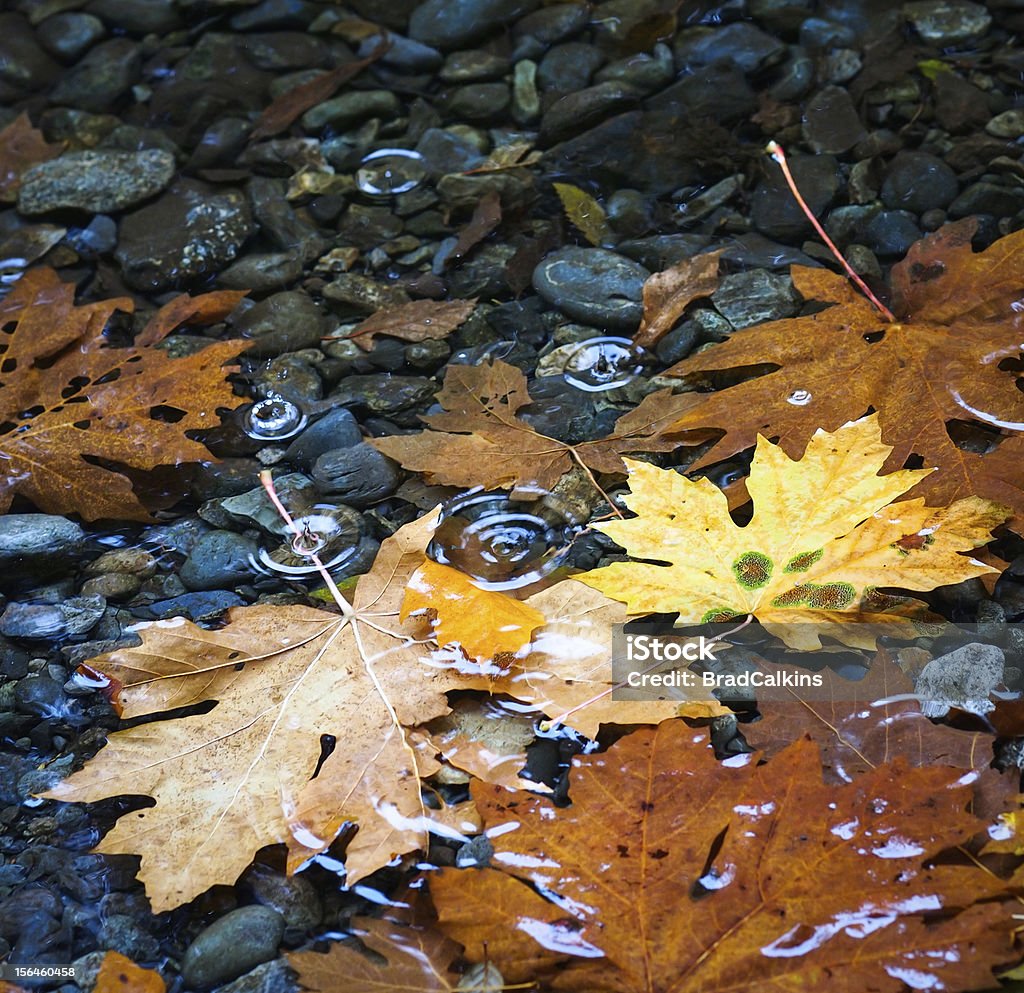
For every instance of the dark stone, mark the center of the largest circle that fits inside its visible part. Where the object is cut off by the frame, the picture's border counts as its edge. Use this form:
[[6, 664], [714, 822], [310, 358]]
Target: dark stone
[[40, 696], [67, 36], [232, 945], [891, 232], [593, 285], [479, 101], [398, 397], [917, 181], [38, 541], [137, 16], [716, 92], [284, 322], [576, 112], [987, 198], [959, 105], [831, 121], [569, 67], [451, 24], [192, 232], [101, 78], [776, 214], [23, 64], [219, 559], [358, 475], [336, 429], [74, 616], [740, 44], [194, 606]]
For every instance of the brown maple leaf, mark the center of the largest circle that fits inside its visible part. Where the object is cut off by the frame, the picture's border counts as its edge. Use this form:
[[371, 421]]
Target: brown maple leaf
[[67, 402], [481, 440], [668, 293], [674, 873], [942, 364], [415, 321], [21, 146]]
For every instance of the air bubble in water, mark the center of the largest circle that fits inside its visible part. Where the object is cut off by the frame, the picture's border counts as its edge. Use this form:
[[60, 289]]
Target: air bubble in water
[[330, 532], [501, 543], [390, 171], [603, 364], [273, 419], [799, 398]]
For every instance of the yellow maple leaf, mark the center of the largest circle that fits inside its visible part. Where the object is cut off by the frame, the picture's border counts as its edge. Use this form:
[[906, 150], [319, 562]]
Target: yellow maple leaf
[[485, 623], [824, 537]]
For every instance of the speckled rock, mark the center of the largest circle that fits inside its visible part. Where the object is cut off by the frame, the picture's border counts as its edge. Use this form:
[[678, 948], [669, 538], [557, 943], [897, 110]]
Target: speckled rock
[[38, 541], [75, 616], [98, 182], [948, 22], [593, 285], [192, 232], [747, 298]]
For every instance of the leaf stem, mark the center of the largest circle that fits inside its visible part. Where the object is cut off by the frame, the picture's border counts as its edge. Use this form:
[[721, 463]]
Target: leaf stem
[[775, 150], [267, 479]]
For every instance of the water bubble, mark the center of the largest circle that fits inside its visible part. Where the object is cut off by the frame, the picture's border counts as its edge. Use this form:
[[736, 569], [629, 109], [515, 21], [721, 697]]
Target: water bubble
[[273, 419], [603, 364], [332, 533], [501, 543], [390, 171], [799, 398]]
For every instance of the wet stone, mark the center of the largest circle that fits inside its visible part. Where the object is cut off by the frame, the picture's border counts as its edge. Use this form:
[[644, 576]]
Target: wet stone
[[98, 182], [190, 233], [594, 286], [23, 64], [358, 475], [917, 181], [948, 22], [479, 102], [553, 23], [293, 897], [67, 36], [473, 66], [38, 541], [582, 109], [891, 232], [231, 946], [569, 67], [741, 43], [386, 394], [254, 509], [261, 272], [283, 322], [195, 606], [831, 121], [291, 376], [645, 71], [270, 977], [987, 198], [351, 108], [753, 297], [122, 933], [337, 429], [101, 78], [776, 214], [116, 586], [219, 559], [963, 678], [137, 16], [41, 696], [74, 616], [450, 24], [1009, 124], [445, 152]]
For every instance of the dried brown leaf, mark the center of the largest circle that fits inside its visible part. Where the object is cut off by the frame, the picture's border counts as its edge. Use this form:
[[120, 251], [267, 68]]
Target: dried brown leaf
[[667, 295], [64, 396], [415, 321], [674, 872]]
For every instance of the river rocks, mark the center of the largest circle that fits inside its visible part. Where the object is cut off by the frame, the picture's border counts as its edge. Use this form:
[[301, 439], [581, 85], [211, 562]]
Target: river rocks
[[101, 78], [831, 121], [231, 945], [74, 616], [219, 559], [753, 297], [593, 285], [948, 22], [23, 64], [191, 232], [451, 24], [38, 542], [358, 475], [284, 322], [98, 182], [67, 36], [351, 108], [337, 429], [293, 897], [963, 678], [581, 110], [774, 211], [917, 181]]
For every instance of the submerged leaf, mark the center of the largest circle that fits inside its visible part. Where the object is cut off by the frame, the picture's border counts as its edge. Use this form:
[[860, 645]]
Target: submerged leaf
[[585, 212], [65, 398], [674, 872], [415, 321], [667, 295]]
